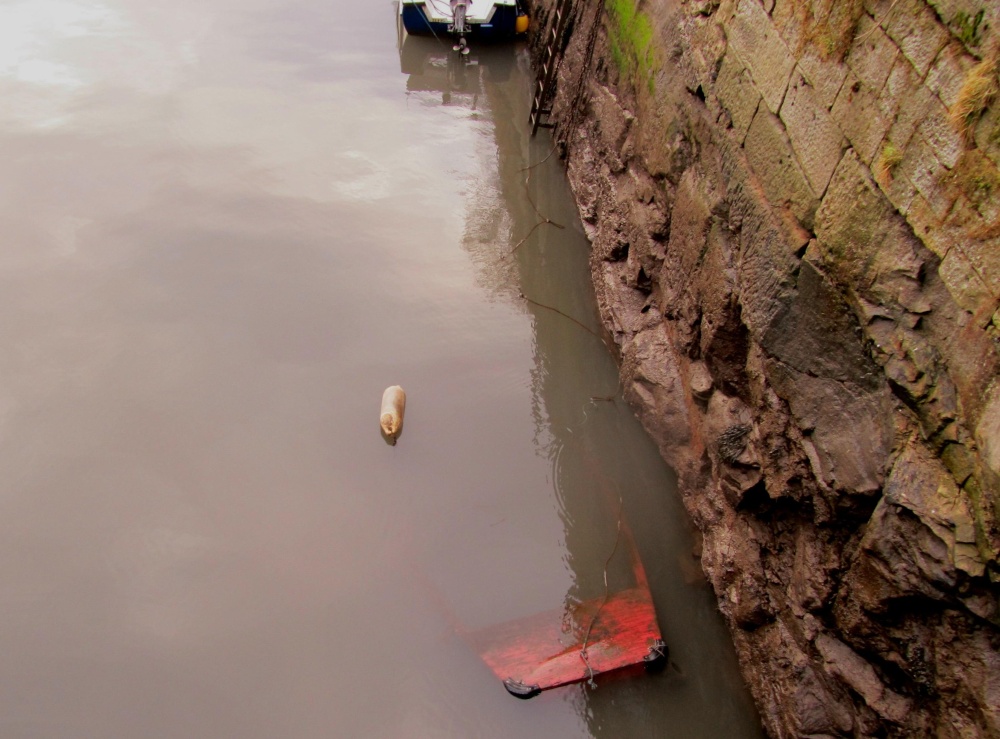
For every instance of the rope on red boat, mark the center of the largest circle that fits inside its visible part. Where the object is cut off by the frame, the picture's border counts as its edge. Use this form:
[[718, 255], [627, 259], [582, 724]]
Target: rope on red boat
[[604, 601]]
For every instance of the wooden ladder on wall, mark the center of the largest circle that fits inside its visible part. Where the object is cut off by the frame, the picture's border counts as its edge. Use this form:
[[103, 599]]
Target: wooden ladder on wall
[[550, 64]]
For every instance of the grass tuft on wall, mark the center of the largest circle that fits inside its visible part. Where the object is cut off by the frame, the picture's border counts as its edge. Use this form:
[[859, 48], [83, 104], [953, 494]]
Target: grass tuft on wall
[[980, 87]]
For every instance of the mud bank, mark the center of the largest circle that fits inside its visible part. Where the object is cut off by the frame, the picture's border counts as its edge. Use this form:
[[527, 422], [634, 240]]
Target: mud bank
[[795, 216]]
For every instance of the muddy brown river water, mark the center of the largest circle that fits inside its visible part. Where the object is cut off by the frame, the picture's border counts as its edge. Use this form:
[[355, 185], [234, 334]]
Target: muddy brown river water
[[227, 227]]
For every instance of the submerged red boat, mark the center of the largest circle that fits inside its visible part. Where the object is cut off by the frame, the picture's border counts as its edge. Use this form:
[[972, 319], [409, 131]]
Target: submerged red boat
[[566, 646]]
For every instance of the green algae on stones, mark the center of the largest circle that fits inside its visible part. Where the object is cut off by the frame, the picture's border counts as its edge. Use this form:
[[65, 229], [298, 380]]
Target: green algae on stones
[[967, 27], [632, 46]]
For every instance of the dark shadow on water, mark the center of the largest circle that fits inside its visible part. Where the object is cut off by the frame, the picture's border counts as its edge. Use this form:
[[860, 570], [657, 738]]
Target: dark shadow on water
[[598, 451]]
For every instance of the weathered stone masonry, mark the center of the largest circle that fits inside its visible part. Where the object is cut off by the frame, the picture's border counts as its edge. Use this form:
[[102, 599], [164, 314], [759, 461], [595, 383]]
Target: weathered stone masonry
[[796, 246]]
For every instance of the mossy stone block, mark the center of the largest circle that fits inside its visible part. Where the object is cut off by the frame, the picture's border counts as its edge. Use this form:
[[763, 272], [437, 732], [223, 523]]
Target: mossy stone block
[[738, 95], [816, 139], [860, 116], [753, 37], [771, 157], [916, 30]]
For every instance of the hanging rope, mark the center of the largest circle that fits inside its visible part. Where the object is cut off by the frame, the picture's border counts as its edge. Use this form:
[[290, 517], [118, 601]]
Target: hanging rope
[[584, 326], [604, 600]]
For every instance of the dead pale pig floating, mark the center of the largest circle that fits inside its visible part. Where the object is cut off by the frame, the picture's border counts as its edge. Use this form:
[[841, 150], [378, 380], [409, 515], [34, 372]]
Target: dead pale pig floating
[[391, 418]]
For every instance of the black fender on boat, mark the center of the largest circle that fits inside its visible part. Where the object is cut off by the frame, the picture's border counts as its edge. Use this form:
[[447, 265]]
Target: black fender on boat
[[520, 690]]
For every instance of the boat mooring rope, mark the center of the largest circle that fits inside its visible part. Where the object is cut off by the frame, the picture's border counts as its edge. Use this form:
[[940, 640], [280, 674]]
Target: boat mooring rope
[[430, 23]]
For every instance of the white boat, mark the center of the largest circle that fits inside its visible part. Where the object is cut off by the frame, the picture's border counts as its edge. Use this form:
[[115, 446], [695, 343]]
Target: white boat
[[484, 20]]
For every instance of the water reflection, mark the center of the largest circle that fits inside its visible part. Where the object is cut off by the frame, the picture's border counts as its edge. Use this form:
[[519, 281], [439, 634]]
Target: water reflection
[[602, 463], [479, 83], [228, 227]]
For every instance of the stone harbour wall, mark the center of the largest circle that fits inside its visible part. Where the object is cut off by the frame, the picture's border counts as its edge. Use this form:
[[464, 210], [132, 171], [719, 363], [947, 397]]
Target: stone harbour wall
[[794, 208]]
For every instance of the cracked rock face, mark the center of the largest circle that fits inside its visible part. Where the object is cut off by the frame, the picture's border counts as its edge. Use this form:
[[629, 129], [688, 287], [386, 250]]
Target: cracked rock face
[[804, 347]]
